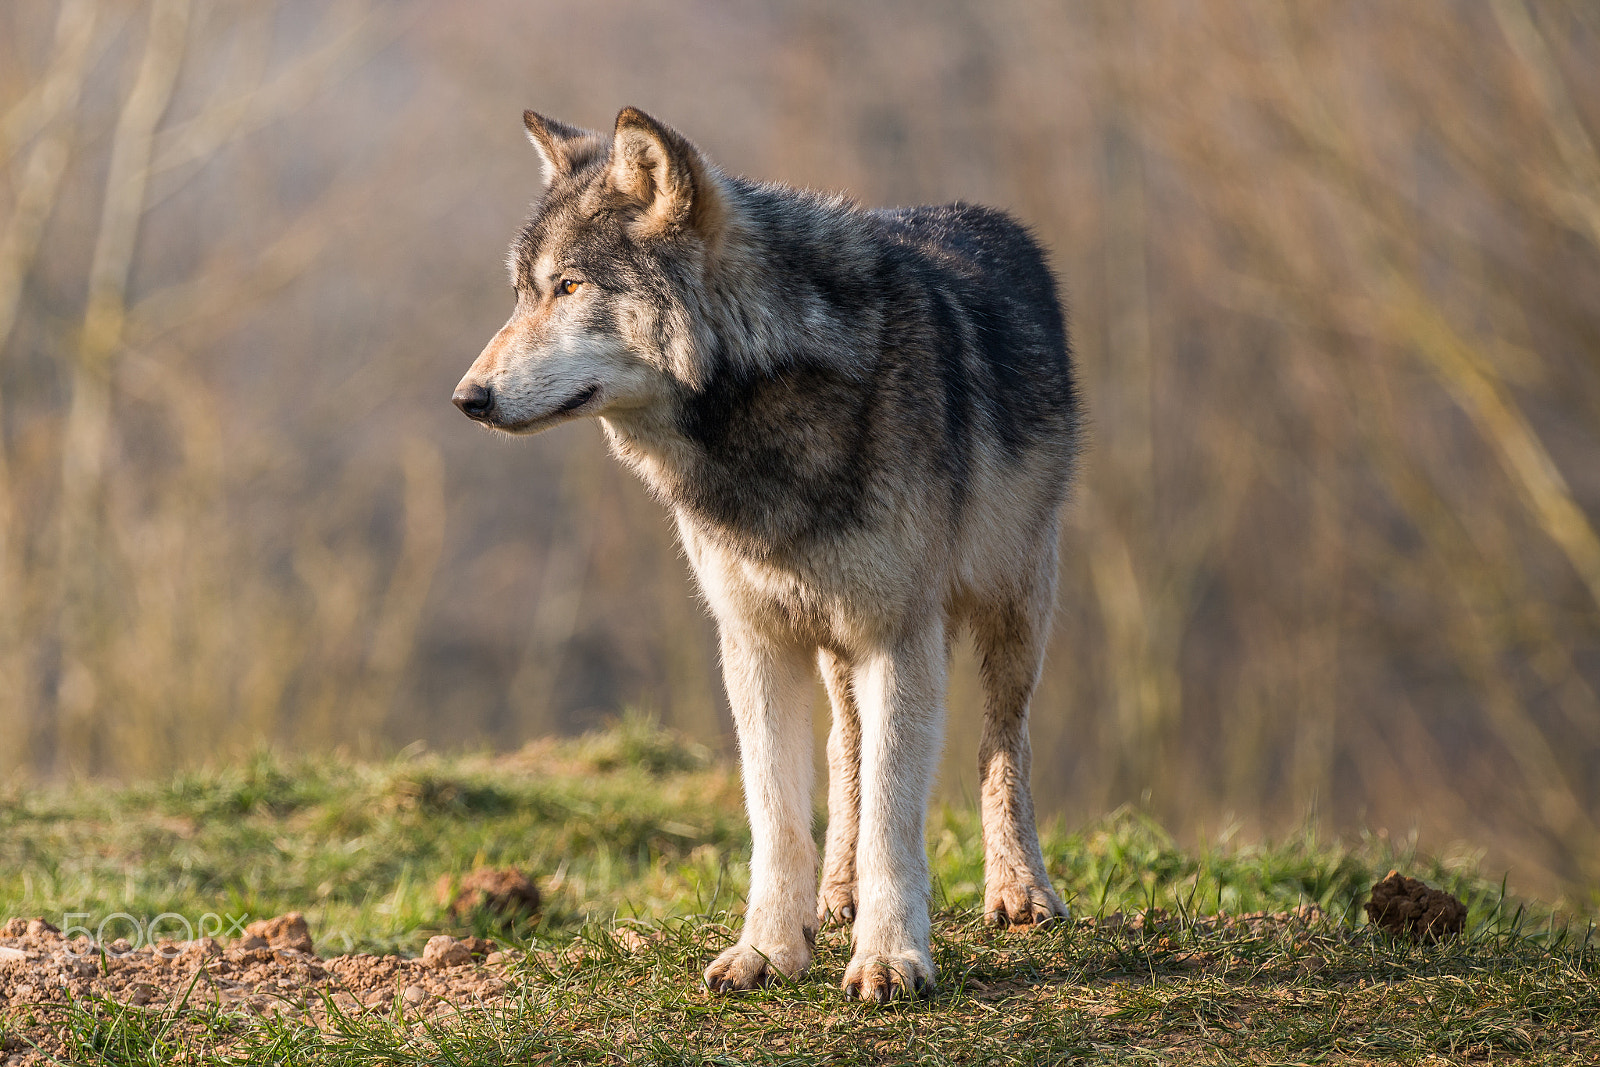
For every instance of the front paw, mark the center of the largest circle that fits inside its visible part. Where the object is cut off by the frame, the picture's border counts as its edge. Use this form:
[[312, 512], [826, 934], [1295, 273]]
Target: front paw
[[883, 978], [1019, 899], [751, 966]]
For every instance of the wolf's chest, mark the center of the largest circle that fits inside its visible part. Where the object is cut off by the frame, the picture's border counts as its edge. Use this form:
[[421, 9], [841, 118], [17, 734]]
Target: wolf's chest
[[835, 595]]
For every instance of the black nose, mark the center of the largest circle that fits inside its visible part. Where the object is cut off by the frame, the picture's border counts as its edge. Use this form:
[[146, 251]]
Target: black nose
[[473, 399]]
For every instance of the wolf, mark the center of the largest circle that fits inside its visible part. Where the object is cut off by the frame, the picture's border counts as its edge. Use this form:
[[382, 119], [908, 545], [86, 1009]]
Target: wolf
[[864, 423]]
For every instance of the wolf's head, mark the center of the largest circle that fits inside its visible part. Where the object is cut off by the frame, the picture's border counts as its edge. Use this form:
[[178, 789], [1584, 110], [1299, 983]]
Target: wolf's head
[[608, 274]]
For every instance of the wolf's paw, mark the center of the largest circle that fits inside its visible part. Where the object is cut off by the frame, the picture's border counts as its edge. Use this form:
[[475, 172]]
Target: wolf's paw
[[885, 978], [750, 966], [836, 904], [1020, 900]]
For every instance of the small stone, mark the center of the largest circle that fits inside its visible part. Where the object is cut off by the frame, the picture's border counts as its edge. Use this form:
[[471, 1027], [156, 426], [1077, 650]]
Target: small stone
[[39, 928], [414, 995], [14, 928], [445, 951], [250, 943], [140, 993], [346, 1003], [23, 992], [502, 958]]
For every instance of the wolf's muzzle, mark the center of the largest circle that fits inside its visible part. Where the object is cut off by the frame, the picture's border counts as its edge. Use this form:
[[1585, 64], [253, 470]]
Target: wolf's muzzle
[[473, 399]]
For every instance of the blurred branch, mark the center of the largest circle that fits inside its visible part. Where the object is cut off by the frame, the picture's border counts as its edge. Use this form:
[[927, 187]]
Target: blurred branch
[[49, 108], [1580, 201]]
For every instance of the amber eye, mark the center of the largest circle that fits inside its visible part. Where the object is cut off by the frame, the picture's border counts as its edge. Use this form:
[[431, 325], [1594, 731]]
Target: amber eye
[[568, 286]]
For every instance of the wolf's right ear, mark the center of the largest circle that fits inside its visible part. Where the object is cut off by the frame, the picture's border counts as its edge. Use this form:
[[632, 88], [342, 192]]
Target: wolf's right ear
[[562, 148], [664, 173]]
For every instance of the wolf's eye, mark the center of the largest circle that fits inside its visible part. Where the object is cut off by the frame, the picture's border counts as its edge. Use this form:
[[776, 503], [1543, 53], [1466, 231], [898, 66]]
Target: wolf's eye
[[568, 286]]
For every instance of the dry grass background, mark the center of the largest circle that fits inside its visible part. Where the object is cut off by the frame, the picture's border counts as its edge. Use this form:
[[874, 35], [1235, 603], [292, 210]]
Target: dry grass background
[[1335, 278]]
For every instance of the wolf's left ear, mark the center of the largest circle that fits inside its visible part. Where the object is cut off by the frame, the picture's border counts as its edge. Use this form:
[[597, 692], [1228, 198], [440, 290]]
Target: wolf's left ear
[[562, 148], [661, 170]]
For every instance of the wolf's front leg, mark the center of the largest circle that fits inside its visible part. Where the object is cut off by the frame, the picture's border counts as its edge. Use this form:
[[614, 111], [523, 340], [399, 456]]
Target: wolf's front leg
[[900, 694], [769, 686]]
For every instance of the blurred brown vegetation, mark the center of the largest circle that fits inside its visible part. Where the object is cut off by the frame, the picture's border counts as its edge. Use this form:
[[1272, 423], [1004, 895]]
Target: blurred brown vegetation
[[1335, 278]]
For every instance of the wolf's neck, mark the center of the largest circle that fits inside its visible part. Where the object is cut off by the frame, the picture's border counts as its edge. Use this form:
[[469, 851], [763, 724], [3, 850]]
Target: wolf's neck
[[651, 445], [762, 458]]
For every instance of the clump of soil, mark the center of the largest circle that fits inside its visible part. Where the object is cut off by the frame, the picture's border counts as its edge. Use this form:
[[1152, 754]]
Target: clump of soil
[[1407, 908], [283, 931], [446, 951], [503, 892]]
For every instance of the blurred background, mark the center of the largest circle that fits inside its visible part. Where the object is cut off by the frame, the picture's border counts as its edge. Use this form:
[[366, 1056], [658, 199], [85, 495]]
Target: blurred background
[[1334, 271]]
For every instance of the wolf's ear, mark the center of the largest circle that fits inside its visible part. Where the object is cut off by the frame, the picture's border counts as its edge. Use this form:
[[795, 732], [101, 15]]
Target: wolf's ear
[[657, 167], [562, 148]]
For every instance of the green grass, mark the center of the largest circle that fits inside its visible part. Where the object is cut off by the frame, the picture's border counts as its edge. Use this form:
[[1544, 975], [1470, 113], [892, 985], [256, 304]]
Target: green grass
[[637, 827]]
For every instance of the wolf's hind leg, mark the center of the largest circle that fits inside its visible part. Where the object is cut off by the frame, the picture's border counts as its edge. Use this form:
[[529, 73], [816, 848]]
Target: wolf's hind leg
[[770, 688], [836, 898], [1010, 642]]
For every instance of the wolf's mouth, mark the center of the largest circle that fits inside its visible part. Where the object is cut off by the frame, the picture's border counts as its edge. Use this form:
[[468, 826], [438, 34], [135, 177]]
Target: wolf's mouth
[[578, 401]]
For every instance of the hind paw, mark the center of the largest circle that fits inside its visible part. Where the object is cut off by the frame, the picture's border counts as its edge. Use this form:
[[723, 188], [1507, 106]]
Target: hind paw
[[836, 904], [1022, 901]]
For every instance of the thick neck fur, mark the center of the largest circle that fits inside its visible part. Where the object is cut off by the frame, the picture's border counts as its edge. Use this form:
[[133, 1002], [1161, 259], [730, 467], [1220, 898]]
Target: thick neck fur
[[785, 321]]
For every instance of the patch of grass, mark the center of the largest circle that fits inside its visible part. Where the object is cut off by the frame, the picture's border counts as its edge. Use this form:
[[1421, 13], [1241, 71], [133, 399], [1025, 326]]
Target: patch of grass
[[636, 824]]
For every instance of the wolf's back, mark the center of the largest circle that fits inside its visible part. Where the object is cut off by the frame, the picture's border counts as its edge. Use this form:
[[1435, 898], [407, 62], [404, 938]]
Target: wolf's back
[[978, 297]]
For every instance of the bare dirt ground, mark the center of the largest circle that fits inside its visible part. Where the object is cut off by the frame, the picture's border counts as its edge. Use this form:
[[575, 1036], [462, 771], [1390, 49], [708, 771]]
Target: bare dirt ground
[[272, 970]]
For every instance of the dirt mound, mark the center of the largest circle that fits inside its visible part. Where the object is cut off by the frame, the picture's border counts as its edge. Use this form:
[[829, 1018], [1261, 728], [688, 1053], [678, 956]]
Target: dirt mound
[[270, 970], [502, 891], [1406, 907]]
